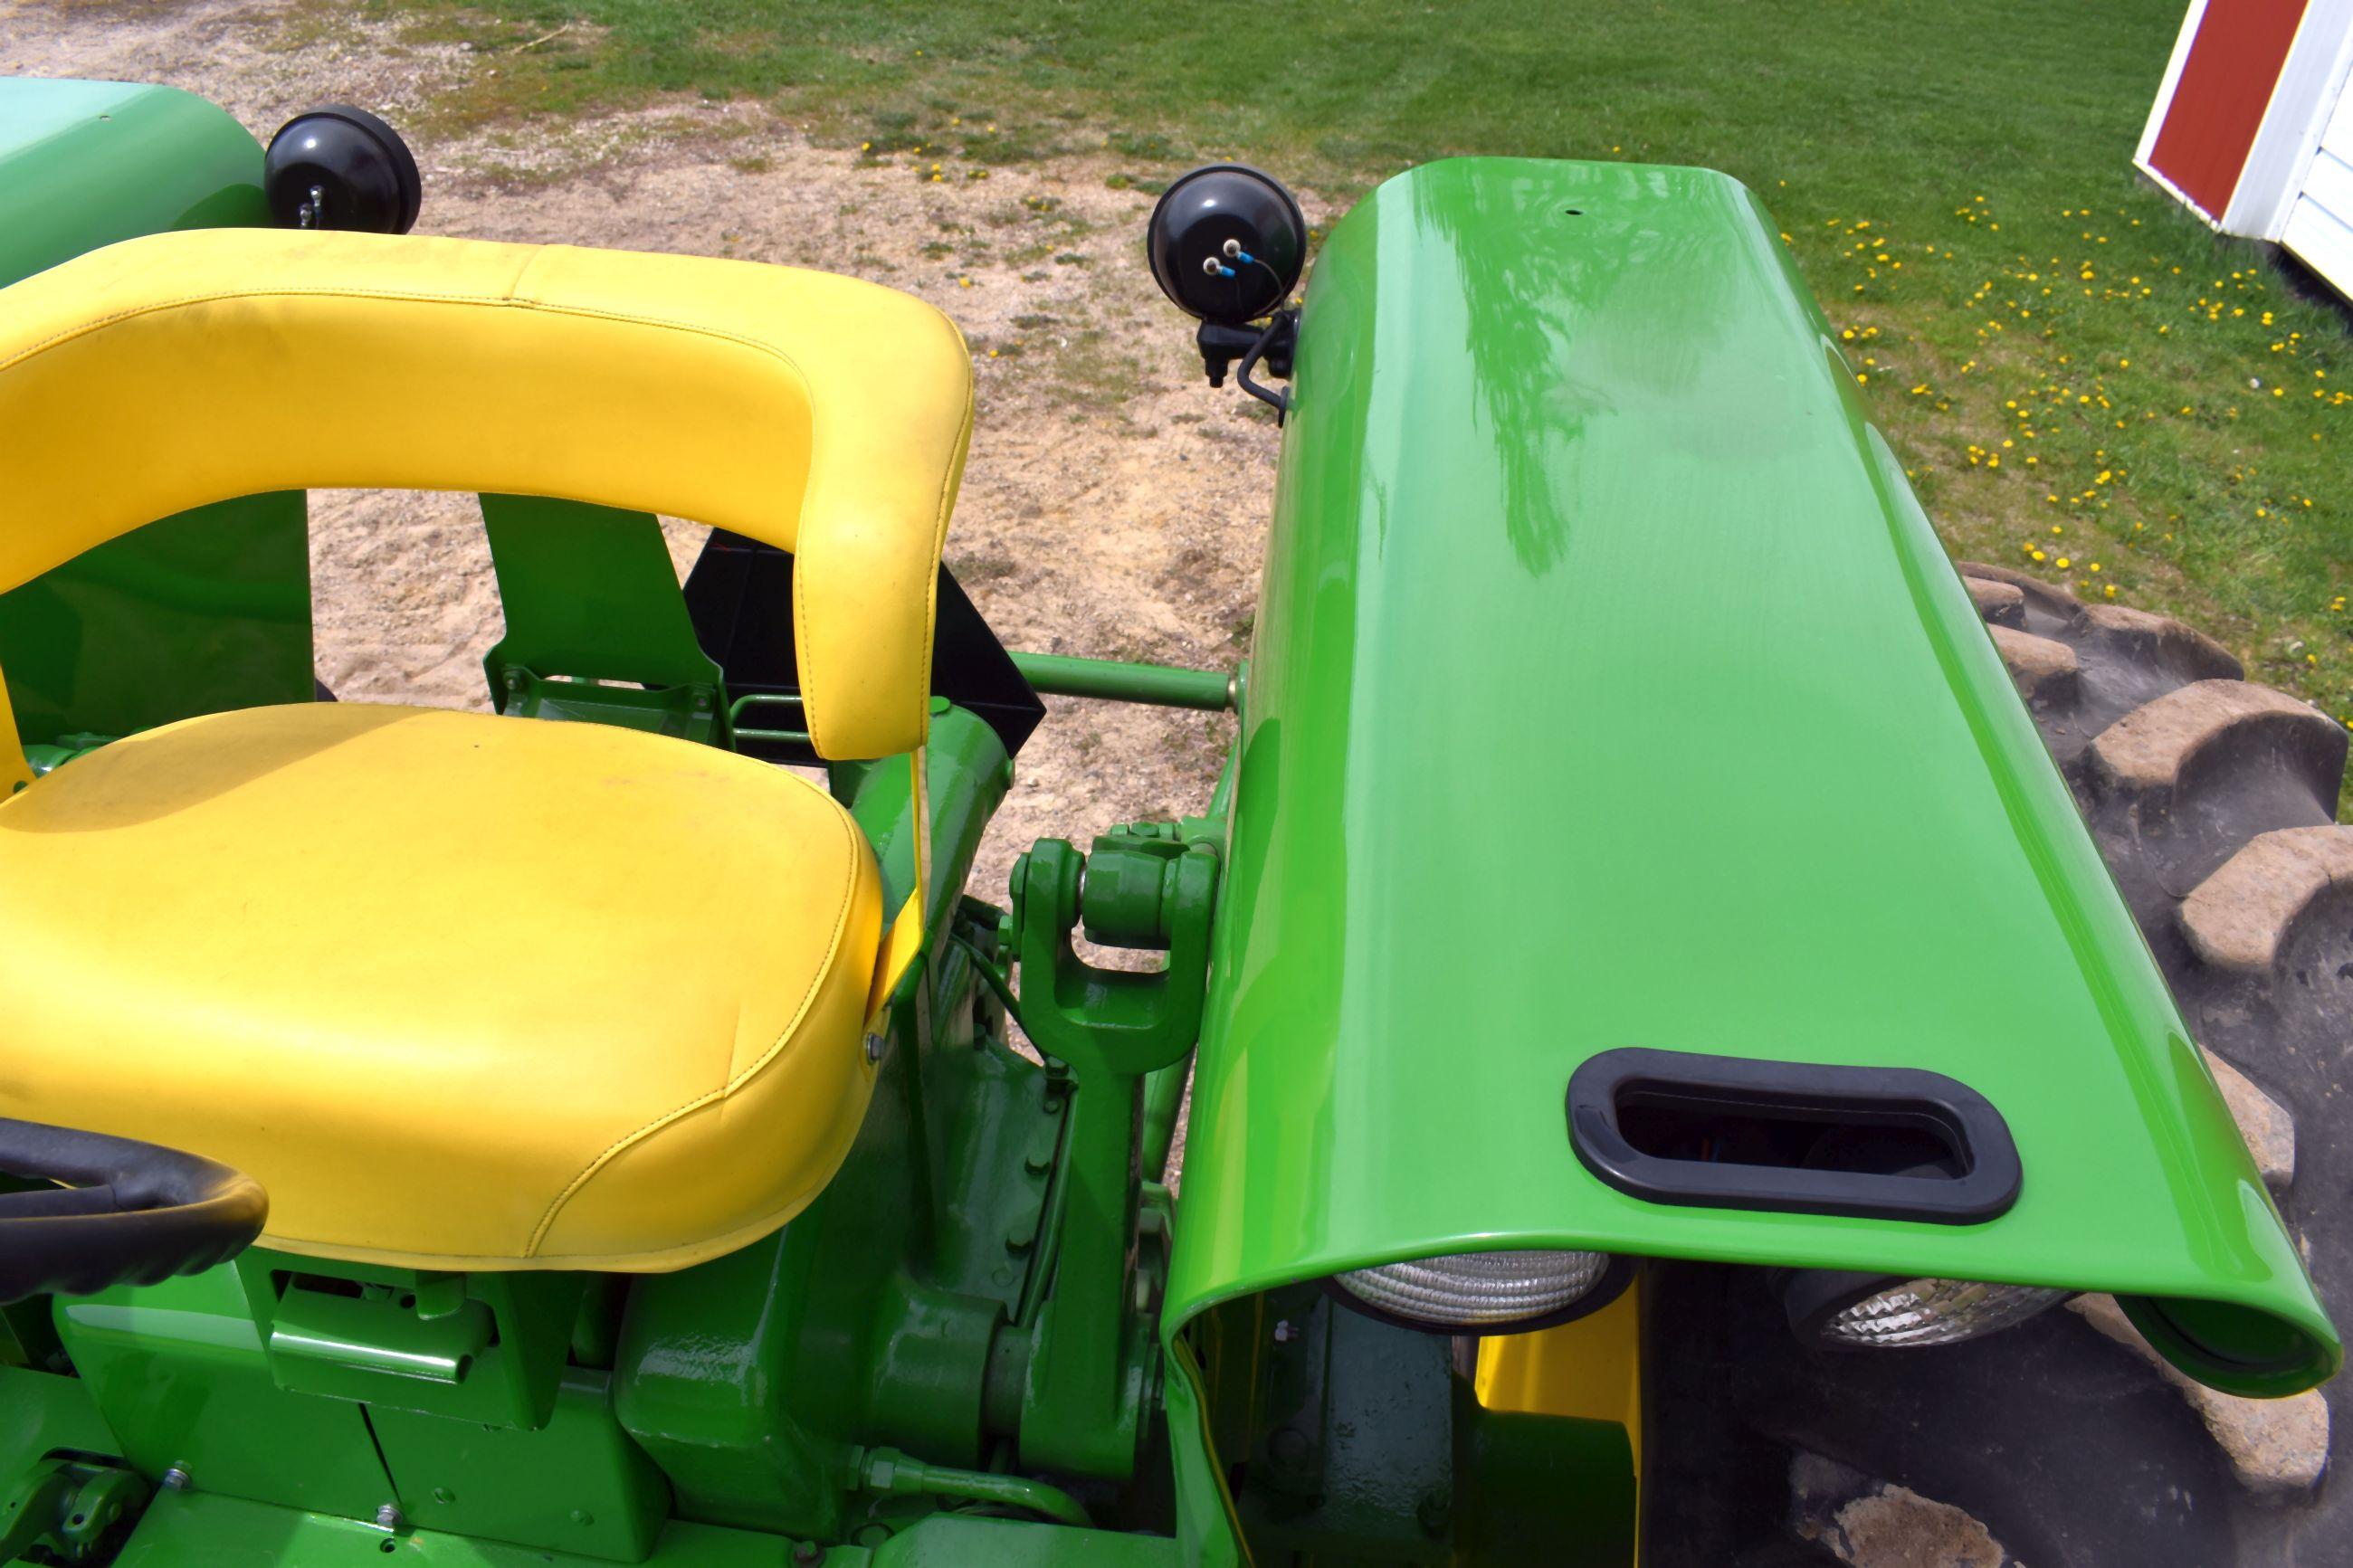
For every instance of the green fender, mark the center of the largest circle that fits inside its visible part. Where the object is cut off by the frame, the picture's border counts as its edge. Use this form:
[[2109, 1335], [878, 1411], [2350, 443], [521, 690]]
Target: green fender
[[193, 614], [1611, 689], [85, 163]]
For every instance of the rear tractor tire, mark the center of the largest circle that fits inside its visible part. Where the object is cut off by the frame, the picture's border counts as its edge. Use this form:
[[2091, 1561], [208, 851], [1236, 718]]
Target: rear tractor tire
[[2061, 1443], [2213, 801]]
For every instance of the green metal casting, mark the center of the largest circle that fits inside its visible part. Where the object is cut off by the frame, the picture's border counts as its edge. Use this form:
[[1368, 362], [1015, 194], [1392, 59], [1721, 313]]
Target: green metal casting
[[1060, 674], [1611, 689]]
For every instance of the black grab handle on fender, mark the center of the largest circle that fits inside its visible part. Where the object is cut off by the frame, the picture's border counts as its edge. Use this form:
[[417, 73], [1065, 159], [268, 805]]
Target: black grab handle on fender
[[1685, 1128], [126, 1214]]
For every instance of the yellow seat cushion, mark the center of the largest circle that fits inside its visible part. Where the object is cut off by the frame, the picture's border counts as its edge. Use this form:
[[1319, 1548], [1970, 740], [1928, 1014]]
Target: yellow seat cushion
[[459, 990]]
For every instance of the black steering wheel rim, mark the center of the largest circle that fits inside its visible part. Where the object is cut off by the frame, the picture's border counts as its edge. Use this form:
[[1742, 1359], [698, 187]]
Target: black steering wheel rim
[[117, 1212]]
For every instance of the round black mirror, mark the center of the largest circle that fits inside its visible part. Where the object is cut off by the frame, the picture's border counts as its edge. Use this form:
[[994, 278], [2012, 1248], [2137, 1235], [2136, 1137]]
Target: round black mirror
[[341, 168], [1227, 244]]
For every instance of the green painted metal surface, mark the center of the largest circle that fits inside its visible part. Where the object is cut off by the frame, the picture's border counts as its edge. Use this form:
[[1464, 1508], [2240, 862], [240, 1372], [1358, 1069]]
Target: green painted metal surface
[[201, 1530], [206, 610], [1061, 675], [86, 163], [966, 773], [182, 1375], [1208, 1533], [47, 1413], [595, 626], [243, 1379], [485, 1348], [194, 1529], [578, 1484], [948, 1542], [1611, 689]]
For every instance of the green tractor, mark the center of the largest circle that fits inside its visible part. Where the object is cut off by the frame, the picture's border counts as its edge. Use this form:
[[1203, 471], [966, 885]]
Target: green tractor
[[1651, 1006]]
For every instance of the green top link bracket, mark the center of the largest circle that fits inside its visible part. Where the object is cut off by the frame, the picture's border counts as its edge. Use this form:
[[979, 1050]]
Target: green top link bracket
[[1089, 1370], [596, 628]]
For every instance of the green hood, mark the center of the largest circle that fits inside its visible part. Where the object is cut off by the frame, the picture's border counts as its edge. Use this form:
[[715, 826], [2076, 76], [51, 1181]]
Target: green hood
[[1611, 691]]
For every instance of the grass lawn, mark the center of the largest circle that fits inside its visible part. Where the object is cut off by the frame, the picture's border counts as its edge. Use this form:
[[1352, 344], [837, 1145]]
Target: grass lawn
[[2082, 380]]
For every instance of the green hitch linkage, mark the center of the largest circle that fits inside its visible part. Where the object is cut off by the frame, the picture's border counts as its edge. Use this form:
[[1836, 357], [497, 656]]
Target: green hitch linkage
[[68, 1507], [1090, 1373]]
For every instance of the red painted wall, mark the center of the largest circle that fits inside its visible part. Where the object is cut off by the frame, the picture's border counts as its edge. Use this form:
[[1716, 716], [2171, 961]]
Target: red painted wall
[[2219, 103]]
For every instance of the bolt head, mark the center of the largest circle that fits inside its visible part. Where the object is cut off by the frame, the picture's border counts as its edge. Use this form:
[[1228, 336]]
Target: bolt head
[[388, 1517], [175, 1480]]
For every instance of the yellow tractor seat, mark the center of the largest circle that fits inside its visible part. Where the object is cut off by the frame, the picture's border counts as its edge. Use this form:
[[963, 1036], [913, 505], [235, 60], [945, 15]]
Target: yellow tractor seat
[[460, 992]]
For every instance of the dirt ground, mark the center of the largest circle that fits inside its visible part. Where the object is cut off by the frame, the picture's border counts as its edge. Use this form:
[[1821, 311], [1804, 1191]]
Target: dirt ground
[[1112, 505]]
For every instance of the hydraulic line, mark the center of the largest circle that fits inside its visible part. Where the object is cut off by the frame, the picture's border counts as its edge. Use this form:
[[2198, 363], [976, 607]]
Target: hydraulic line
[[893, 1473]]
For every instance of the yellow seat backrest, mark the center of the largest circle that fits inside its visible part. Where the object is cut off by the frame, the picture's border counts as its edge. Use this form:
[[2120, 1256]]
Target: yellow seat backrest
[[819, 414]]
